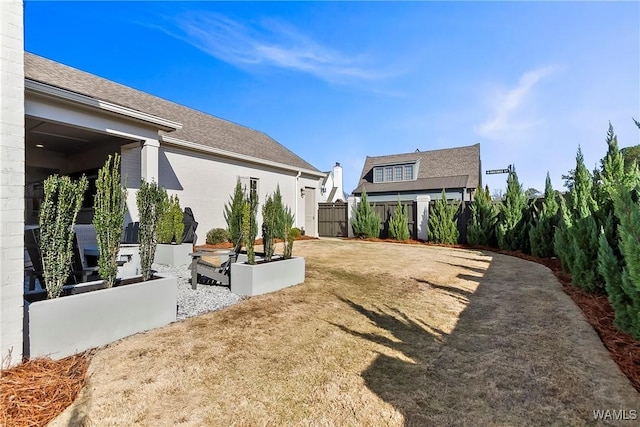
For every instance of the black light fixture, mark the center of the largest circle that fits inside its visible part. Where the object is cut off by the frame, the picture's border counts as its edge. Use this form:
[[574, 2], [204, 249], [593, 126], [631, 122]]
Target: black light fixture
[[302, 192]]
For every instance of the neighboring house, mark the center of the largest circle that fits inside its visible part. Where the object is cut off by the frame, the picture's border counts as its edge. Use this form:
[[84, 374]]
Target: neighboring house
[[57, 119], [422, 173], [331, 189]]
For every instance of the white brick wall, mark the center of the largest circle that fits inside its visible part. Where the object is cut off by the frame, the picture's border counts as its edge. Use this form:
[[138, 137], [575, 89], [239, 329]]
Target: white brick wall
[[11, 180]]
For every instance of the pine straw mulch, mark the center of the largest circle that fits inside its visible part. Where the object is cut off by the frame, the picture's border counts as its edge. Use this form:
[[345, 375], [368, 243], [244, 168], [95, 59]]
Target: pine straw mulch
[[35, 392]]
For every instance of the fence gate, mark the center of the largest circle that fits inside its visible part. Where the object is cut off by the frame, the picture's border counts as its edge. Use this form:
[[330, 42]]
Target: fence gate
[[386, 209], [332, 219]]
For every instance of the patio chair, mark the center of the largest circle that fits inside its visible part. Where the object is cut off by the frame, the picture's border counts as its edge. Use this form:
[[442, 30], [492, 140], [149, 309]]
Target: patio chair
[[213, 274], [77, 274], [190, 226]]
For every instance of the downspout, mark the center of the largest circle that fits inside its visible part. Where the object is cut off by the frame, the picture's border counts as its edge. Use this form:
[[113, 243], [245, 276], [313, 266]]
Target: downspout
[[295, 197]]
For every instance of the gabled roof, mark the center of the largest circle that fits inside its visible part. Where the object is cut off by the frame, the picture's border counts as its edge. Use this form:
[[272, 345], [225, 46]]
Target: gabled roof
[[197, 127], [436, 169]]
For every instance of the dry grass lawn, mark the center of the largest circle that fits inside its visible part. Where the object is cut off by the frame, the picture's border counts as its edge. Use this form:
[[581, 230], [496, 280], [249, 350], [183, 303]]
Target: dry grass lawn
[[379, 334]]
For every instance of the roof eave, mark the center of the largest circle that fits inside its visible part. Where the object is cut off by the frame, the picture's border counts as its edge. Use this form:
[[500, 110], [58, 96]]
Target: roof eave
[[231, 155], [58, 93]]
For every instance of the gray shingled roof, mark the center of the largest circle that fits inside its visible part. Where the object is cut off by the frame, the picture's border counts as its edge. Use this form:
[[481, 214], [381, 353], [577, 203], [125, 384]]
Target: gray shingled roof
[[197, 127], [437, 169]]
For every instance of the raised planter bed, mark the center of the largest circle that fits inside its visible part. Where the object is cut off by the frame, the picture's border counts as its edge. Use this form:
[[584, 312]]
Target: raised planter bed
[[173, 255], [91, 316], [265, 277]]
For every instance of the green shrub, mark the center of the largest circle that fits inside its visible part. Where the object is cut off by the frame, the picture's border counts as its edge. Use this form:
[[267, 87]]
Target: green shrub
[[623, 284], [482, 224], [561, 239], [109, 209], [399, 223], [148, 200], [216, 236], [542, 232], [170, 227], [270, 223], [290, 233], [365, 222], [233, 212], [583, 234], [250, 227], [442, 222], [58, 213], [511, 228]]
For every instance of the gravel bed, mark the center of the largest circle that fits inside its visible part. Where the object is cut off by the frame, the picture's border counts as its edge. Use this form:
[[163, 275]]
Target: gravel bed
[[194, 302]]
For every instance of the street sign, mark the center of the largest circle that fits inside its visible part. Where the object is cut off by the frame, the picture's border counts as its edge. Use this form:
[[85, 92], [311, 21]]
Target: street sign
[[494, 171]]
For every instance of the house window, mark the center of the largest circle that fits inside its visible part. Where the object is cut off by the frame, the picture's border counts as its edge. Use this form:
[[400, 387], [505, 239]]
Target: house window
[[388, 174], [408, 172], [378, 175], [253, 189], [397, 173]]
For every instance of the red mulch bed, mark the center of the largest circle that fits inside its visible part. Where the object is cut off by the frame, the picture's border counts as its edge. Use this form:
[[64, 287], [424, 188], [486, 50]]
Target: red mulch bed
[[34, 393], [229, 245]]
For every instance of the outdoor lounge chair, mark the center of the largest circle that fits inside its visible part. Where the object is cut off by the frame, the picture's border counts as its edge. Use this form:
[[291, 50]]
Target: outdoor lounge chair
[[77, 274], [212, 274]]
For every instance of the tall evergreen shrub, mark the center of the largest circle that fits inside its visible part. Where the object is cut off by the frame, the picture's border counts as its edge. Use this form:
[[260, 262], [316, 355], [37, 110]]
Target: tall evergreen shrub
[[511, 230], [561, 239], [442, 221], [148, 200], [399, 223], [58, 212], [233, 212], [289, 232], [583, 234], [623, 286], [481, 229], [170, 227], [365, 222], [542, 232], [109, 208], [250, 227]]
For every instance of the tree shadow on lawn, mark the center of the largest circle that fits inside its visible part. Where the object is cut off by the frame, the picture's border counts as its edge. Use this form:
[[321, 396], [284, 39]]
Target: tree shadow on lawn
[[520, 354]]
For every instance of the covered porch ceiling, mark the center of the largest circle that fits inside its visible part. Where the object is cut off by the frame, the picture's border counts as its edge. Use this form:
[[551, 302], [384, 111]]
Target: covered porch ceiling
[[42, 135]]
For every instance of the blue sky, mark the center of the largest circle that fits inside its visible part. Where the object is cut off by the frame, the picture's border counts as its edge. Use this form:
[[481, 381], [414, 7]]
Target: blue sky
[[337, 81]]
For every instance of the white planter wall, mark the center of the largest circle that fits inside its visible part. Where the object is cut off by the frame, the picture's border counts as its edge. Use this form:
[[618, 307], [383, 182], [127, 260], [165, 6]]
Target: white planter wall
[[68, 325], [260, 279], [173, 255]]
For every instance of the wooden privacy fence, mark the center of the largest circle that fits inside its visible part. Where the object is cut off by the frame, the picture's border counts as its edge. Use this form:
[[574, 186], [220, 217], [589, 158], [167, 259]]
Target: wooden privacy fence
[[332, 219], [386, 209]]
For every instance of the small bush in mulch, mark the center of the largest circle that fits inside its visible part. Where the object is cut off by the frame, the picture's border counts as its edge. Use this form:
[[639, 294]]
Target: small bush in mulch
[[35, 392]]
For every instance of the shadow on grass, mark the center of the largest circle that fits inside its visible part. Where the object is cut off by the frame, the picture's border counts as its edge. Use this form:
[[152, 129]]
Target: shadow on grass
[[492, 368]]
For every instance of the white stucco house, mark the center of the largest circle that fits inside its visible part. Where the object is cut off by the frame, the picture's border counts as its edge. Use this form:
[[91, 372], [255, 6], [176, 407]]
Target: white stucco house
[[57, 119], [331, 189]]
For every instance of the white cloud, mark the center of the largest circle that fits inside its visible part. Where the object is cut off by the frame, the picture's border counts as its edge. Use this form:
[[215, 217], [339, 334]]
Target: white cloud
[[270, 43], [511, 113]]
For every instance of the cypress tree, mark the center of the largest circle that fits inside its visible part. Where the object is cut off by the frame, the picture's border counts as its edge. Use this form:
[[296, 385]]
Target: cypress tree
[[233, 212], [365, 222], [584, 231], [442, 222], [399, 223], [484, 214], [542, 232], [561, 239], [511, 228], [624, 287]]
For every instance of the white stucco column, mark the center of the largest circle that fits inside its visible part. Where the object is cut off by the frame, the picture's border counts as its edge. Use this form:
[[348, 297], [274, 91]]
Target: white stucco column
[[353, 204], [12, 154], [149, 160], [423, 216]]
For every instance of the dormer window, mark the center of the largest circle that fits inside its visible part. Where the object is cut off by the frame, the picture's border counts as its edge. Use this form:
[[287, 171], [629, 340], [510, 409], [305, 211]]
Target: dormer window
[[393, 173]]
